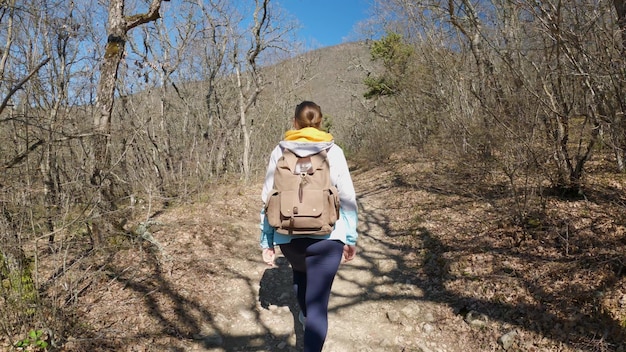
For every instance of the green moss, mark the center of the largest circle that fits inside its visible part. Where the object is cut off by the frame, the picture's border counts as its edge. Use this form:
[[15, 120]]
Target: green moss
[[18, 286], [533, 223], [113, 49]]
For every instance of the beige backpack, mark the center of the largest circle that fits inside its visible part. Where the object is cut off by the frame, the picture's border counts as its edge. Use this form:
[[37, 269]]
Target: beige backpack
[[303, 200]]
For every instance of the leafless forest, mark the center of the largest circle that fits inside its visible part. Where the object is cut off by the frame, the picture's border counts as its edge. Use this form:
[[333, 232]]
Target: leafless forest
[[111, 111]]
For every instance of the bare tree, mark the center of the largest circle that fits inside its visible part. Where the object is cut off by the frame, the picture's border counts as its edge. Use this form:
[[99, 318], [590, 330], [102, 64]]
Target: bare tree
[[248, 95], [618, 121], [22, 138], [119, 24], [238, 47], [218, 18], [541, 52], [7, 16], [157, 54], [620, 8]]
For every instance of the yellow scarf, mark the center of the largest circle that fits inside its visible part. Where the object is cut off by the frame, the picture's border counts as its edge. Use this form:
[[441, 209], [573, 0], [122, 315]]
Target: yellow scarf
[[308, 134]]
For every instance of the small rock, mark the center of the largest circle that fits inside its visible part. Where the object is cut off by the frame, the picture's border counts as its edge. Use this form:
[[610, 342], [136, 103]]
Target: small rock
[[427, 328], [476, 319], [429, 317], [410, 311], [386, 343], [246, 314], [507, 340], [422, 348], [393, 316]]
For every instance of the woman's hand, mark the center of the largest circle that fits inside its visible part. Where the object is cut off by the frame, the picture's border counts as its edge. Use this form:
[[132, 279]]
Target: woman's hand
[[349, 251], [269, 256]]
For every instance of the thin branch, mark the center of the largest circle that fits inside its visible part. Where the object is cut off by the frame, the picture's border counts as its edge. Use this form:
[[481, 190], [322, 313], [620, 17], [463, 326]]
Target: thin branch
[[19, 85], [23, 154], [151, 15]]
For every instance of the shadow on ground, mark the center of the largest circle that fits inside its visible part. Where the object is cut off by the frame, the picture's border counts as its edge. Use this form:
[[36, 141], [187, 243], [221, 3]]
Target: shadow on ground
[[560, 281]]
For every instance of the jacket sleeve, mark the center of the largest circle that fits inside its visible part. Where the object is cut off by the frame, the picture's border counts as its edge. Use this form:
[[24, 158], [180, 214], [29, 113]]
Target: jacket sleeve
[[267, 232], [347, 196], [269, 174]]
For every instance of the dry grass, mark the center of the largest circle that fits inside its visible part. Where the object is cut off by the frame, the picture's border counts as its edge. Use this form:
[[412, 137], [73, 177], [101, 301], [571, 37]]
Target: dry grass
[[559, 281], [561, 275]]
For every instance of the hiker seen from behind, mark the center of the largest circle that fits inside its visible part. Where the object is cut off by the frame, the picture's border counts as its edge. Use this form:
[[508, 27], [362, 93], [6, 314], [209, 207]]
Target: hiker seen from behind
[[310, 212]]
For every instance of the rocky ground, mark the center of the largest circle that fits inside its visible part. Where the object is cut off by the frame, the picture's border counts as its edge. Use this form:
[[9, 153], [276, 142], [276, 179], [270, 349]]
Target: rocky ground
[[438, 270]]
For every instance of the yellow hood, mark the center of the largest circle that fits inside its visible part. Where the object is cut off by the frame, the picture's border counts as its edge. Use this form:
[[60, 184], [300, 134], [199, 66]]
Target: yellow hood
[[308, 134]]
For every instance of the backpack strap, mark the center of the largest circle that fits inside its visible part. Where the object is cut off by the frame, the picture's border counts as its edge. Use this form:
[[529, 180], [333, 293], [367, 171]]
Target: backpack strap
[[291, 159]]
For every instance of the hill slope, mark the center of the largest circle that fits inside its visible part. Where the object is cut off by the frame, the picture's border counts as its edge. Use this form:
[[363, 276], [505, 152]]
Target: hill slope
[[435, 272], [332, 77]]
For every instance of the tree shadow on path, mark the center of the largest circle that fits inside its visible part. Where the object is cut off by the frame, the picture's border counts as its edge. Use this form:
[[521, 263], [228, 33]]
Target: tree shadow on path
[[276, 290], [561, 311]]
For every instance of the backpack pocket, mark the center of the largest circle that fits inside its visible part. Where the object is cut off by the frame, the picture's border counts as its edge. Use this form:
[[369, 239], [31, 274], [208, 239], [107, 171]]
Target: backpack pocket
[[332, 205], [302, 212], [272, 209]]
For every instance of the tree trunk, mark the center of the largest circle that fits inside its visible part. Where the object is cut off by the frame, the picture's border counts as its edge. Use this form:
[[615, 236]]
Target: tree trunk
[[254, 84], [620, 126], [243, 125], [620, 8], [117, 31]]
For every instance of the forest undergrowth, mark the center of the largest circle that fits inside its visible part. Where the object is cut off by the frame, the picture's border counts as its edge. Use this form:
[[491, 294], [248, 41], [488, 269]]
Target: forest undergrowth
[[442, 266]]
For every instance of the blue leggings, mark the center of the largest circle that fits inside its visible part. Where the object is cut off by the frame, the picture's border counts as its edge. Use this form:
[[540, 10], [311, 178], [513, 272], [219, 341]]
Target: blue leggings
[[315, 263]]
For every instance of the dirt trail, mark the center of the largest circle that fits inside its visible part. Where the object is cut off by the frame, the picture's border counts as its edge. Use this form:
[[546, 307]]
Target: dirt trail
[[199, 284], [434, 272], [242, 305]]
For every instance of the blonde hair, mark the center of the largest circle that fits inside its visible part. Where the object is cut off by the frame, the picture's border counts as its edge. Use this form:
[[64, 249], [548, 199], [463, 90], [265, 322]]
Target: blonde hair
[[308, 114]]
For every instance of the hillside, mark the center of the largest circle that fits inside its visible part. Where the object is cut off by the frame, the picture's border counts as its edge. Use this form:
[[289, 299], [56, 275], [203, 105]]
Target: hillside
[[332, 77], [339, 73], [442, 266], [437, 270]]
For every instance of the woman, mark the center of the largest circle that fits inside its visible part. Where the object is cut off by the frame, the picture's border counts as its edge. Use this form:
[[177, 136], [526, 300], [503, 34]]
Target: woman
[[314, 259]]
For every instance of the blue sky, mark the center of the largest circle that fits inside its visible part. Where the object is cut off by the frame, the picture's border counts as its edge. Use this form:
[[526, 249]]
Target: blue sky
[[326, 22]]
